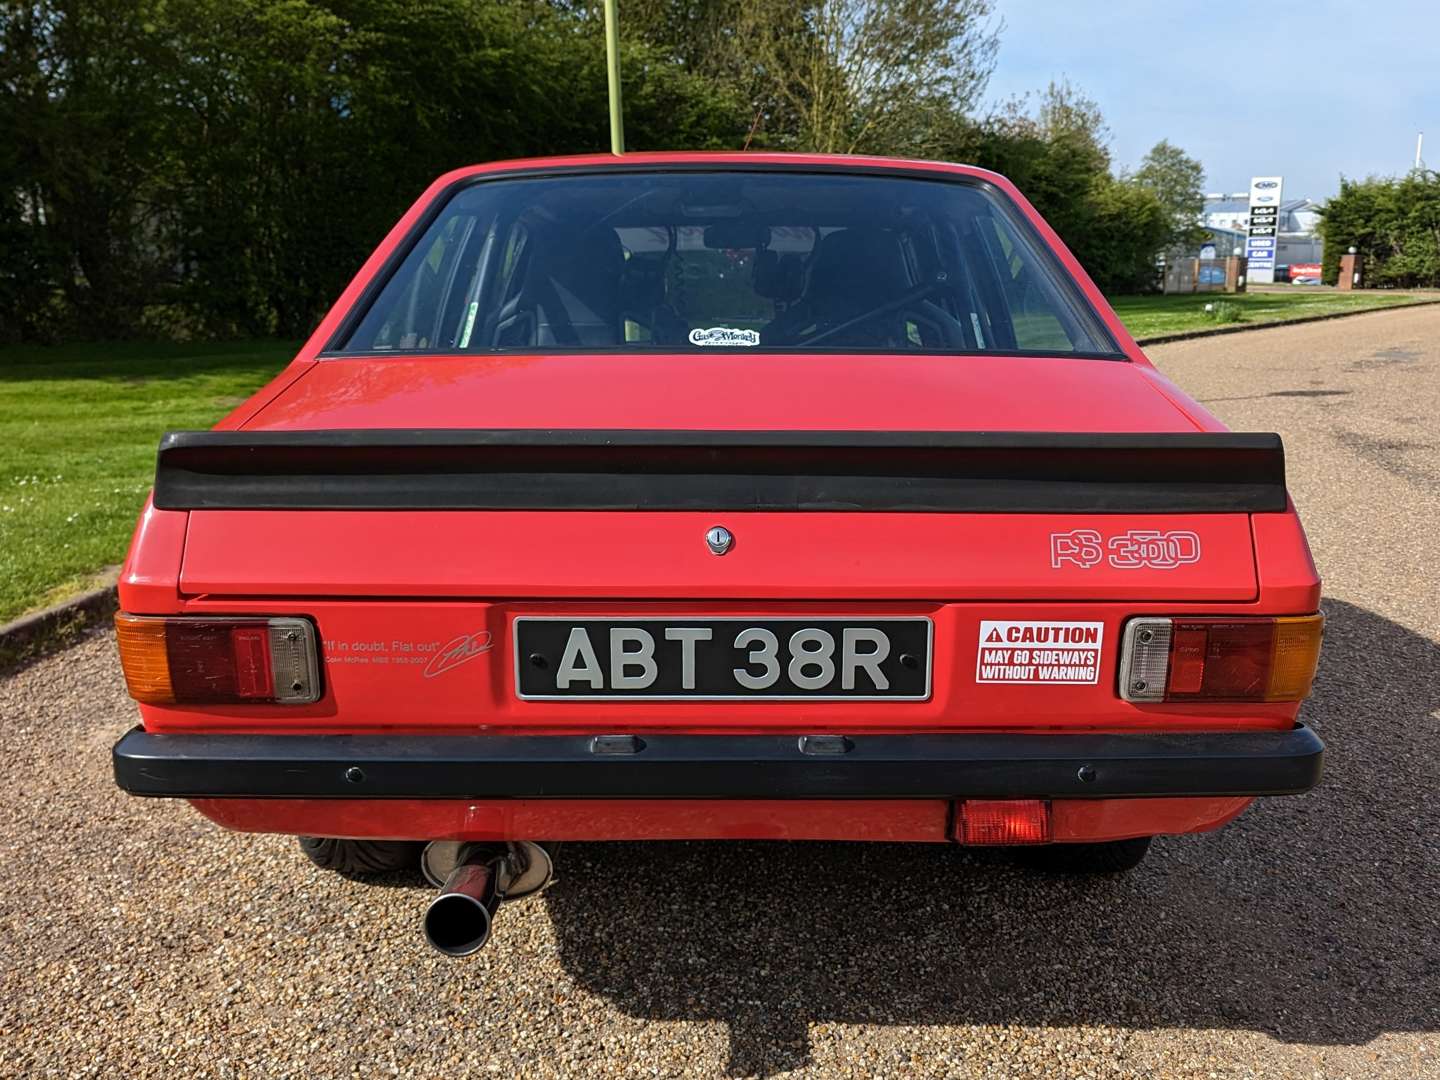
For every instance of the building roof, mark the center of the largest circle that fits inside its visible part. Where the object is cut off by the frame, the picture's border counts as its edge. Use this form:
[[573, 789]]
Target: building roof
[[1240, 206], [1296, 217]]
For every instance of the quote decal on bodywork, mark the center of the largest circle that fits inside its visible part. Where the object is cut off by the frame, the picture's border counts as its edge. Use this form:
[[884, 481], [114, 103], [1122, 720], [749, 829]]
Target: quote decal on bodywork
[[436, 657], [458, 651], [1064, 653]]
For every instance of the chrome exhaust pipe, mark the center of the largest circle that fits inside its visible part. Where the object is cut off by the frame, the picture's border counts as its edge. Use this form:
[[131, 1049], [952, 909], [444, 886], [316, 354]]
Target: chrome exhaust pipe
[[478, 878], [458, 921]]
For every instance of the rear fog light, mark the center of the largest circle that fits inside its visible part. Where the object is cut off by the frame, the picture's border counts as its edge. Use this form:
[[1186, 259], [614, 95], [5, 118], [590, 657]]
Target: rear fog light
[[1003, 821]]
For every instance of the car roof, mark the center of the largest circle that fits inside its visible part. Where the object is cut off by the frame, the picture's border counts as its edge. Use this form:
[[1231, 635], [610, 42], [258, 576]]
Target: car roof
[[853, 162]]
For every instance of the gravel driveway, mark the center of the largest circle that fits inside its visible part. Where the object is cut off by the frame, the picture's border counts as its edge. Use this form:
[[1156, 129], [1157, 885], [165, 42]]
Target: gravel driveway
[[1302, 940]]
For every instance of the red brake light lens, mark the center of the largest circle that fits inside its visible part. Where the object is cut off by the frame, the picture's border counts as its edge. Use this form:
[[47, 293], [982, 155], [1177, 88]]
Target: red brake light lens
[[1004, 821], [1214, 659], [245, 661], [254, 673]]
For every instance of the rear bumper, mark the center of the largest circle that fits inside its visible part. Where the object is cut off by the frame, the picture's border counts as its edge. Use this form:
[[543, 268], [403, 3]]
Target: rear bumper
[[667, 766]]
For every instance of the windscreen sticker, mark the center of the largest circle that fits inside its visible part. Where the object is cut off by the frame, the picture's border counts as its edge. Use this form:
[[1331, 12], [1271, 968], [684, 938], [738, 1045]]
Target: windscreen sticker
[[724, 335], [1065, 653]]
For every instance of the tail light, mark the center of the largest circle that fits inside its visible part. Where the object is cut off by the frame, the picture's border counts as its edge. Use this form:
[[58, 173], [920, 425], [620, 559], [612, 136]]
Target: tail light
[[1004, 821], [1215, 659], [237, 661]]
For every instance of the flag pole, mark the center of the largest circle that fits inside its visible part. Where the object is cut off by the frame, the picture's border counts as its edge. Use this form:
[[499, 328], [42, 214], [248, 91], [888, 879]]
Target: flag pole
[[612, 64]]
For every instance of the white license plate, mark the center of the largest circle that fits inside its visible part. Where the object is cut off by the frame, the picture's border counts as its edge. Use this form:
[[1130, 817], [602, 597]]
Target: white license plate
[[664, 658]]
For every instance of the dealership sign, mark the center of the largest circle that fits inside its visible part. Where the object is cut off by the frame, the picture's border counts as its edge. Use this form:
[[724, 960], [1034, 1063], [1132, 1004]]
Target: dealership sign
[[1261, 228]]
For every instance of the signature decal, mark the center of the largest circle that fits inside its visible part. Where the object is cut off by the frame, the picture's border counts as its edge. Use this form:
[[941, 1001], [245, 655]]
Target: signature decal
[[460, 650], [1138, 549]]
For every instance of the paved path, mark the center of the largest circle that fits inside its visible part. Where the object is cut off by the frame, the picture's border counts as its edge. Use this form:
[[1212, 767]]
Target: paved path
[[1299, 941]]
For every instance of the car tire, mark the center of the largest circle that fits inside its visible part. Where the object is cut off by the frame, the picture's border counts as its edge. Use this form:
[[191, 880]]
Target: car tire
[[1110, 857], [361, 857]]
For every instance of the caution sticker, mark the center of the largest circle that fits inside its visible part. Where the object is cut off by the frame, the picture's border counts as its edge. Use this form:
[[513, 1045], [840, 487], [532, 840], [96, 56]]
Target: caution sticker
[[1039, 652]]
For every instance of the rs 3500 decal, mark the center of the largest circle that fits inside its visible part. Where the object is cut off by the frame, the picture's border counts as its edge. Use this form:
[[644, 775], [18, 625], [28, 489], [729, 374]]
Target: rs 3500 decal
[[1138, 549]]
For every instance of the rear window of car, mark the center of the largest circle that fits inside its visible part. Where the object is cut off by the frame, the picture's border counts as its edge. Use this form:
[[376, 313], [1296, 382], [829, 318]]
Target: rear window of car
[[688, 261]]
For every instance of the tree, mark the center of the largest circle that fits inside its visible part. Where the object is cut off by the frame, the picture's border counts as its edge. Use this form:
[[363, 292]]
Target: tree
[[85, 112], [1178, 182], [704, 39], [868, 75], [27, 271], [221, 167], [1062, 156], [1054, 150], [1393, 224], [1128, 228]]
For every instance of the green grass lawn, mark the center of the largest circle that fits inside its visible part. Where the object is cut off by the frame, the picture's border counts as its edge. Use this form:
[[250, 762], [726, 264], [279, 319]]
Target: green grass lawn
[[1150, 316], [79, 425], [78, 430]]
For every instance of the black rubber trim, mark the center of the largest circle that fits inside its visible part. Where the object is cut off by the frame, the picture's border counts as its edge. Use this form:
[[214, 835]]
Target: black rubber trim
[[923, 766], [883, 471]]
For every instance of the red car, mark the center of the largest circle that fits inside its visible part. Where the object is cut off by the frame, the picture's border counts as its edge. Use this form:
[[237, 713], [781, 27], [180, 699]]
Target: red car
[[717, 496]]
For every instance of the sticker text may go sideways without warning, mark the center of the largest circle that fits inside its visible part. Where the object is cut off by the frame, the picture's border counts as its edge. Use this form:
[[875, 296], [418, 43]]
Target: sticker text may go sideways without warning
[[1039, 652]]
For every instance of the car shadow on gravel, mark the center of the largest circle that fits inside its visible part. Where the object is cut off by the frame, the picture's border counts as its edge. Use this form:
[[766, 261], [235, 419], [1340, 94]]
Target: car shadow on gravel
[[1311, 918]]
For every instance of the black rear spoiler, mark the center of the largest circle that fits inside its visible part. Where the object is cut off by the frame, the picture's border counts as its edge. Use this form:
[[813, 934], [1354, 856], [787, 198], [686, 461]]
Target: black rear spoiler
[[536, 469]]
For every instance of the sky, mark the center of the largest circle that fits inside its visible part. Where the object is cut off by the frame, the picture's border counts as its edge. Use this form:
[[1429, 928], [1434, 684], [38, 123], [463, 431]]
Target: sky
[[1306, 91]]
